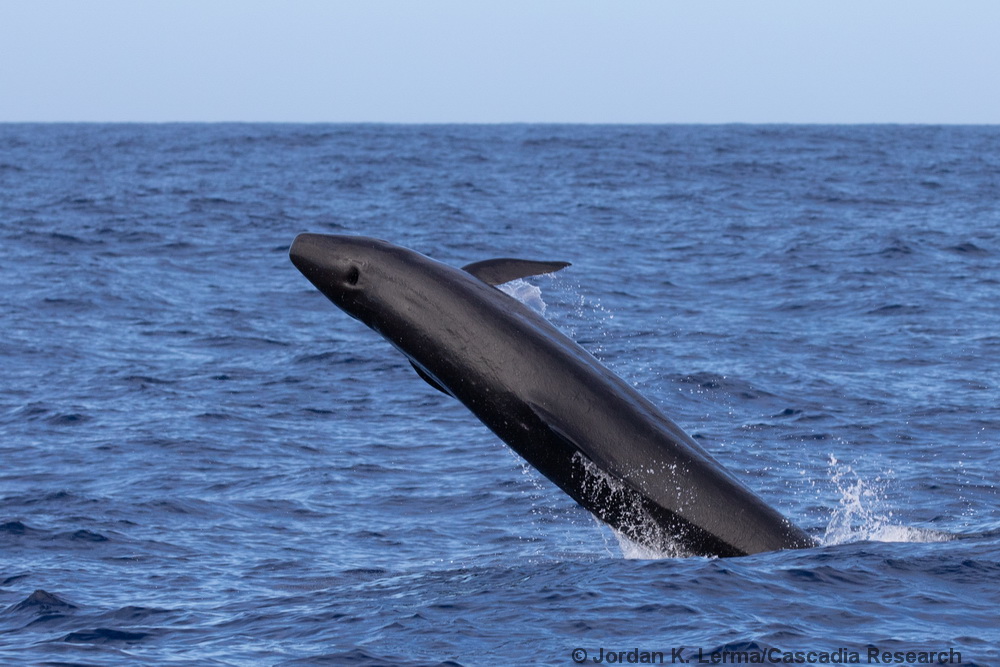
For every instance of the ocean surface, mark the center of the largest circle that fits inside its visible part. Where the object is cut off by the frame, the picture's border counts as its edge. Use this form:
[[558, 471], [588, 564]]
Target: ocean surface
[[204, 462]]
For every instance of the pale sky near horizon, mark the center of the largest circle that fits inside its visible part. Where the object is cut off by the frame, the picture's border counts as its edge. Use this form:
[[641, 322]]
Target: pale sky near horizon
[[418, 61]]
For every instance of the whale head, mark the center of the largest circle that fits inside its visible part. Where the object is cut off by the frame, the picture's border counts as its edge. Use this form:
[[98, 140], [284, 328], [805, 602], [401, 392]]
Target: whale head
[[351, 271]]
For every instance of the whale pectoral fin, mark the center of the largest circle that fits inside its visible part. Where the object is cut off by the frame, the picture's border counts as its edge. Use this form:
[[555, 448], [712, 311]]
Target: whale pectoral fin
[[503, 270], [429, 380]]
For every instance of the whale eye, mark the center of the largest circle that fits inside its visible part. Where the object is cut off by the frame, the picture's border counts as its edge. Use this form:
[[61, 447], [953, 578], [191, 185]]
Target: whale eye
[[353, 274]]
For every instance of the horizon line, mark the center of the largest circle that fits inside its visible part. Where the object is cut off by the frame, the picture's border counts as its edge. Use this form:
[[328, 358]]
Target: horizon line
[[499, 123]]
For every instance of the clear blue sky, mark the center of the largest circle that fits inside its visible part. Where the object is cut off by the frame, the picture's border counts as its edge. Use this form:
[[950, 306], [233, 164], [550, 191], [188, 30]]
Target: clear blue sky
[[616, 61]]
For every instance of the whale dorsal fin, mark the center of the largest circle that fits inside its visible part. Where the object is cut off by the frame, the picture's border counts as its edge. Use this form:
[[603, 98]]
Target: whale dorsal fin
[[429, 380], [504, 269]]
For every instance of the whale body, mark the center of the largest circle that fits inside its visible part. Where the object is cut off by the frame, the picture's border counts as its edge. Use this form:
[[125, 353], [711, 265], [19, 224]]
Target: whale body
[[583, 427]]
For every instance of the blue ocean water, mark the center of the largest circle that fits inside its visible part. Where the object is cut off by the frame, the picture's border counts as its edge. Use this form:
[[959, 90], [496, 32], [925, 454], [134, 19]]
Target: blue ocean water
[[203, 461]]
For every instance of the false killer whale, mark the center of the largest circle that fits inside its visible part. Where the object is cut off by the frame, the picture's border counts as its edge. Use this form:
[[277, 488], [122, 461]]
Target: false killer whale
[[579, 424]]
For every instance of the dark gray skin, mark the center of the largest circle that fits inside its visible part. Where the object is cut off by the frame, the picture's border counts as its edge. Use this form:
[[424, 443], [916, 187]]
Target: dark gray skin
[[550, 400]]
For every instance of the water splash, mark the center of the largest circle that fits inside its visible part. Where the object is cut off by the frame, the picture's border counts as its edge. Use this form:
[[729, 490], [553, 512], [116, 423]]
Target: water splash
[[600, 484], [862, 513], [528, 294], [635, 551]]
